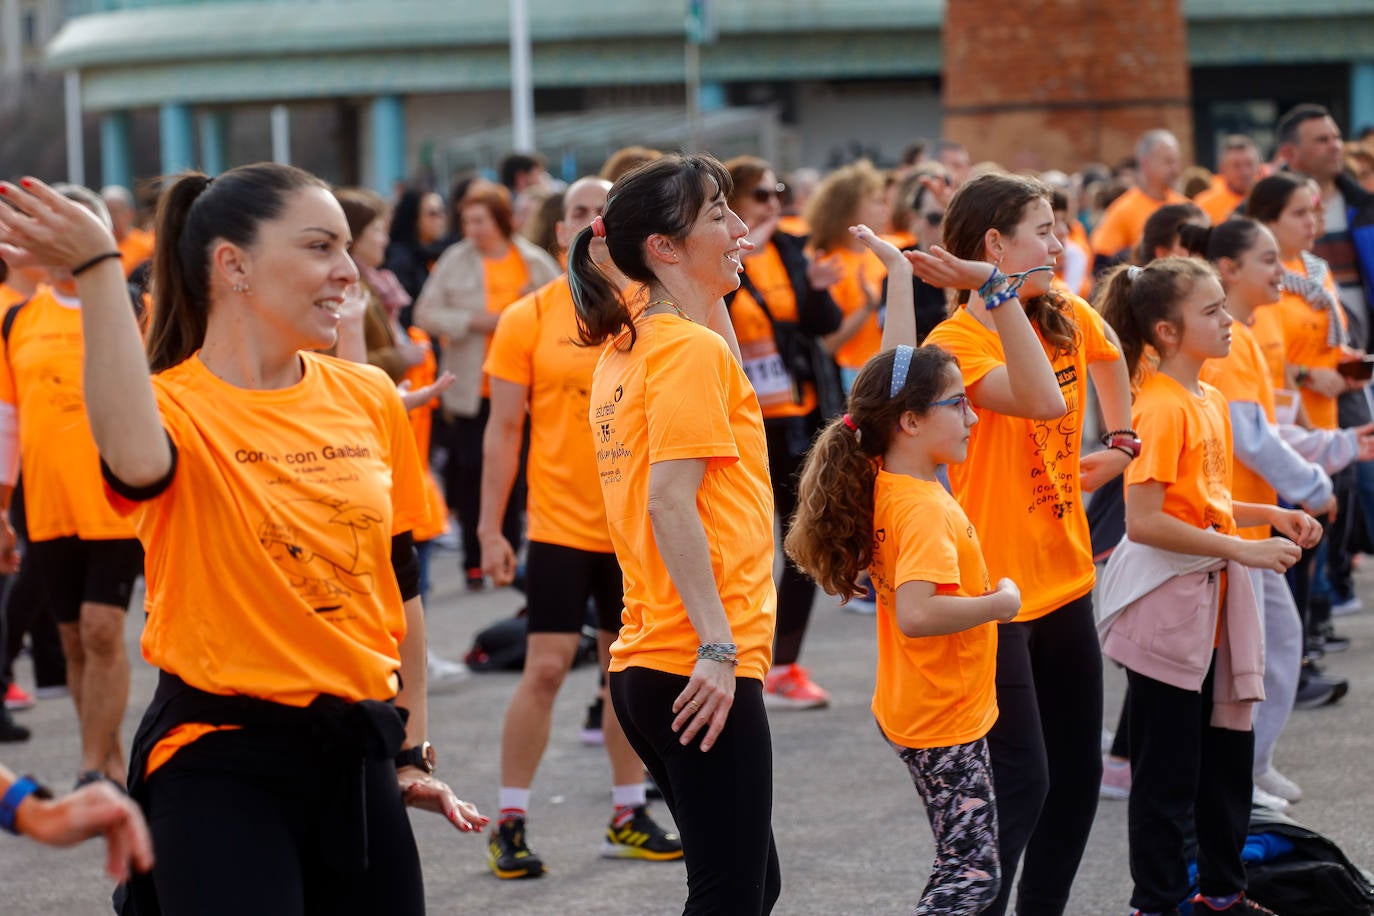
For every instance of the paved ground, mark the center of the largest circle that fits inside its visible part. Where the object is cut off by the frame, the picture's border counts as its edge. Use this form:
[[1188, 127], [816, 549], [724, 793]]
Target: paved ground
[[850, 829]]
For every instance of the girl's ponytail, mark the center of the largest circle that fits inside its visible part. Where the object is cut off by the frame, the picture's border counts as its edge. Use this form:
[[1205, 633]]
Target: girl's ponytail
[[831, 536]]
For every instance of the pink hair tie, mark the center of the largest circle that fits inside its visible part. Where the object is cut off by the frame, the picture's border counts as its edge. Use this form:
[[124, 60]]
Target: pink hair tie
[[599, 227], [849, 421]]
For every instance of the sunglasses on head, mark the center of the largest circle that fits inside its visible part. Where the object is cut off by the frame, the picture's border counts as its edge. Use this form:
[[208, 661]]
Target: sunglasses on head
[[763, 195]]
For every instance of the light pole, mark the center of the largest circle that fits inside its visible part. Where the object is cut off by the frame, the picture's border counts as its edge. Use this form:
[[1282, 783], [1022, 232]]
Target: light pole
[[521, 90]]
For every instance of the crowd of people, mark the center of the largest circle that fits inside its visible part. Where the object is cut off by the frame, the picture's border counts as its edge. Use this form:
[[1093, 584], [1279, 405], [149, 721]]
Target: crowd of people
[[956, 391]]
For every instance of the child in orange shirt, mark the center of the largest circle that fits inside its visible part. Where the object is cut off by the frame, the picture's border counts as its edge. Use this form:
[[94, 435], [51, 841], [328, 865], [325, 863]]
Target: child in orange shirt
[[1193, 681], [870, 499]]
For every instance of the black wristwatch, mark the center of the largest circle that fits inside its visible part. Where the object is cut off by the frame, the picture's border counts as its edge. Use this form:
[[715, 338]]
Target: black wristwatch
[[421, 756]]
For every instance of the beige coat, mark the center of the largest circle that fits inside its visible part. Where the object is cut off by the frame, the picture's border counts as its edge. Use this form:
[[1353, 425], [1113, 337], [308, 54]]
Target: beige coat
[[456, 291]]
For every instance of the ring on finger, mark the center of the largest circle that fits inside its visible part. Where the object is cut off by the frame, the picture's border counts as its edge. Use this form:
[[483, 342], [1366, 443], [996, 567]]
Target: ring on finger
[[693, 705]]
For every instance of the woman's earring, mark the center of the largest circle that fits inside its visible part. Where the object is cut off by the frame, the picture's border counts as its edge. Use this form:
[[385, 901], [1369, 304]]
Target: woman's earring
[[241, 287]]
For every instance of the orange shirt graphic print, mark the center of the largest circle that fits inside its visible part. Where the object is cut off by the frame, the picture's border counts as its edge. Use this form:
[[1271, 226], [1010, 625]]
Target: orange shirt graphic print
[[317, 543]]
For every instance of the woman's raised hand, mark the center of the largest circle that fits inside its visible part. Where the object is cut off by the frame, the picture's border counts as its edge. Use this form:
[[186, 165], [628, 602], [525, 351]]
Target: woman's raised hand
[[888, 253], [42, 228], [940, 268]]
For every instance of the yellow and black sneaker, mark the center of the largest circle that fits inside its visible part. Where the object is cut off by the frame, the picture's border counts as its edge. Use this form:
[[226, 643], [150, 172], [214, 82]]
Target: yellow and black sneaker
[[641, 838], [507, 853]]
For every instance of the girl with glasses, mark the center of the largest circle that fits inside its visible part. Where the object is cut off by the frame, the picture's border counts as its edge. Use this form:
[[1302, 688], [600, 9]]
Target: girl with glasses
[[871, 499]]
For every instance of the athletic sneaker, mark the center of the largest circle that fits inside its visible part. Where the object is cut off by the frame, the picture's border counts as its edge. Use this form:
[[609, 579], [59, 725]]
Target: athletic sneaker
[[508, 855], [1116, 779], [442, 675], [1169, 913], [52, 692], [1317, 689], [1262, 799], [1243, 905], [16, 698], [640, 838], [1346, 606], [791, 686], [1275, 783], [591, 734], [475, 580]]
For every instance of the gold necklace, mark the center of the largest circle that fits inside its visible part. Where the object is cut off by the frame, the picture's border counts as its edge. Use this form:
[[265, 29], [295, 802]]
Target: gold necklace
[[672, 305]]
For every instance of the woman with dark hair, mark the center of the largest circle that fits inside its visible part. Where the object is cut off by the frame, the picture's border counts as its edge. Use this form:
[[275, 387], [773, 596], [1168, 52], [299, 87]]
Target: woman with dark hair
[[1160, 237], [304, 641], [683, 461], [780, 311], [417, 226], [473, 282], [1022, 488]]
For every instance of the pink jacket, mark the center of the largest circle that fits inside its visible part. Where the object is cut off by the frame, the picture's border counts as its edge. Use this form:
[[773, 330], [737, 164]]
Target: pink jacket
[[1166, 625]]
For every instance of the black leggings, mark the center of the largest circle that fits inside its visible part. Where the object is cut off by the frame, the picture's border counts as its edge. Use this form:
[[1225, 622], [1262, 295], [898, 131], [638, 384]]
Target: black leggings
[[721, 800], [1184, 771], [1046, 753], [237, 830], [788, 440]]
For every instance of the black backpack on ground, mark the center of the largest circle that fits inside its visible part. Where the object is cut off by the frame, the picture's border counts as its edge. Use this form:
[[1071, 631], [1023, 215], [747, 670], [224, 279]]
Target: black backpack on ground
[[1315, 879]]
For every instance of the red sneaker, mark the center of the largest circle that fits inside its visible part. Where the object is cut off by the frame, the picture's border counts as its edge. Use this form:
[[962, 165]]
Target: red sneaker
[[791, 686], [17, 698]]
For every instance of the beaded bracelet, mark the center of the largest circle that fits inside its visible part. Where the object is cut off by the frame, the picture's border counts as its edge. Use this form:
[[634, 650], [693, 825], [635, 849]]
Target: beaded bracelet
[[1118, 432], [718, 652]]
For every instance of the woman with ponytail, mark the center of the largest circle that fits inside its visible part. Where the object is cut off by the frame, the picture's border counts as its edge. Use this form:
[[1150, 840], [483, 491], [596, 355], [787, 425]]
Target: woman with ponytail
[[1026, 353], [288, 729], [683, 463]]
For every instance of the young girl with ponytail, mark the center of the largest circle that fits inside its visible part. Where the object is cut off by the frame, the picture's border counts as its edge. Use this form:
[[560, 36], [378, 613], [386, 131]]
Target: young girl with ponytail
[[1271, 463], [1178, 609]]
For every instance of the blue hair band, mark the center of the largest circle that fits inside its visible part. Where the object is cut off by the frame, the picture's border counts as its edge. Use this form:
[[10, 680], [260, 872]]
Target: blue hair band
[[901, 362]]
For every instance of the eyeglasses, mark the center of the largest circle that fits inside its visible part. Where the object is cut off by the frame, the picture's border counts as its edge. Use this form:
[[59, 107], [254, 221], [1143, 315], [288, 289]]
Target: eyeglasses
[[431, 212], [959, 400], [934, 219], [763, 195]]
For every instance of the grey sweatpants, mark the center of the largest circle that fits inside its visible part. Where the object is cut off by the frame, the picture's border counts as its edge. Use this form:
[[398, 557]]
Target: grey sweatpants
[[1282, 662]]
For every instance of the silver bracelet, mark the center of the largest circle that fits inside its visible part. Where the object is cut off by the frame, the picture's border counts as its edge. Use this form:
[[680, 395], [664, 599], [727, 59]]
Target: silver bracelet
[[718, 652]]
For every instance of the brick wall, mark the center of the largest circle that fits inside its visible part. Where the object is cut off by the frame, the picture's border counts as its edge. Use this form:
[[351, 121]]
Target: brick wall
[[1057, 83]]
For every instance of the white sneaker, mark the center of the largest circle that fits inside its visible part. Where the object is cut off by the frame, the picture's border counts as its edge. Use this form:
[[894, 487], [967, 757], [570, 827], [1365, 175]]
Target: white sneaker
[[1351, 605], [1263, 799], [1108, 739], [1275, 783], [442, 674]]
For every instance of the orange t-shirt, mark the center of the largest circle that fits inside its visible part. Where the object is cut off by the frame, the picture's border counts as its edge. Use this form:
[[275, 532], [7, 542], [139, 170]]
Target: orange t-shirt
[[678, 393], [10, 296], [1219, 202], [1243, 377], [422, 423], [269, 553], [1304, 338], [536, 345], [859, 267], [932, 691], [64, 494], [778, 395], [506, 279], [1186, 445], [1123, 223], [1266, 327], [794, 225], [1020, 484], [137, 247]]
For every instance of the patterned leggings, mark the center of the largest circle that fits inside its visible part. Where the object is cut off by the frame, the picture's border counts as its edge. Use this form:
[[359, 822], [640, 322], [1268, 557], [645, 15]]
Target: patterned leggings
[[956, 785]]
